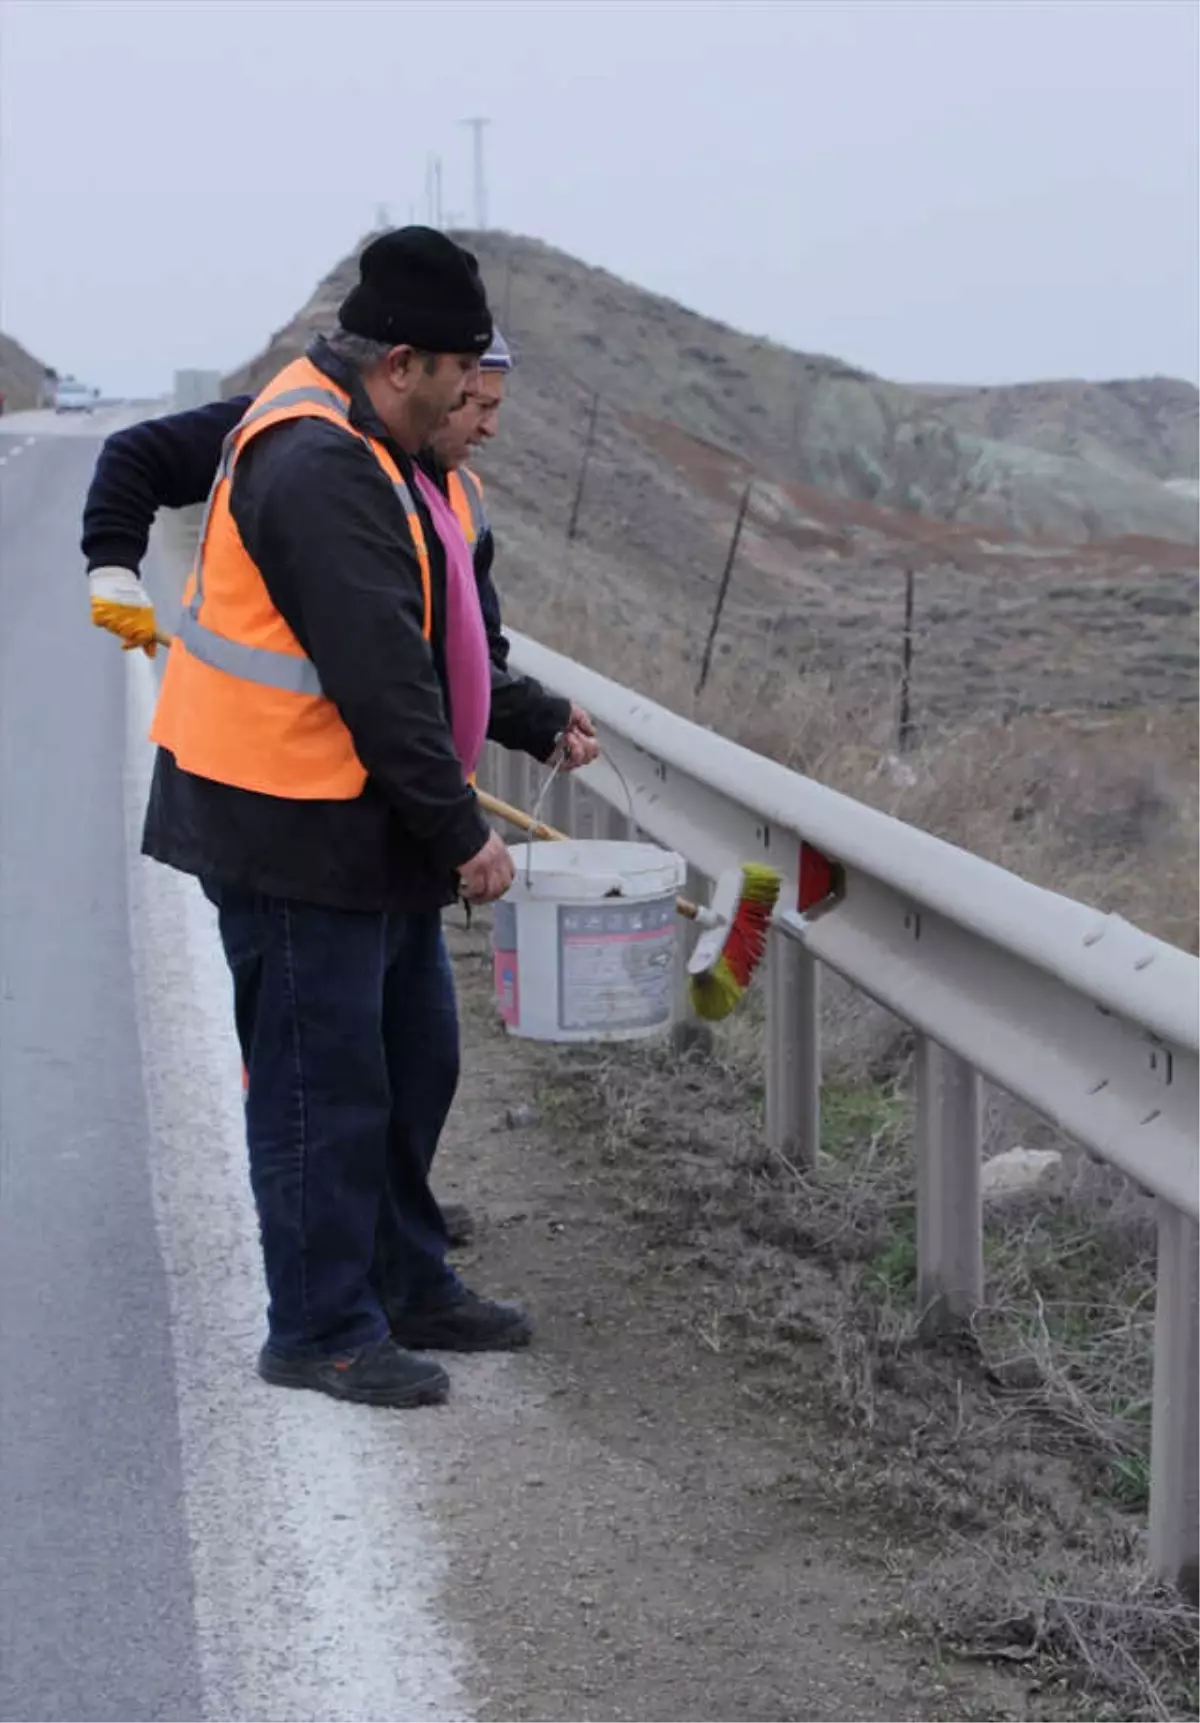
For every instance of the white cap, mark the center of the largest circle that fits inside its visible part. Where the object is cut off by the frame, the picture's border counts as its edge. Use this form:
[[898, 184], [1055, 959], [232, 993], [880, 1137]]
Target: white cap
[[497, 357]]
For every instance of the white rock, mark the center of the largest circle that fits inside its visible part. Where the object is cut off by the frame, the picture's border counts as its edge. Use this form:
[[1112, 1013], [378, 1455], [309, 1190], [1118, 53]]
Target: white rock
[[896, 771], [1018, 1171]]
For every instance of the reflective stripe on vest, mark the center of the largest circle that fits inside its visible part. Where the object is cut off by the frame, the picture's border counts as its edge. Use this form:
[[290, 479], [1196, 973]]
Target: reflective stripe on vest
[[240, 701], [465, 495], [248, 663]]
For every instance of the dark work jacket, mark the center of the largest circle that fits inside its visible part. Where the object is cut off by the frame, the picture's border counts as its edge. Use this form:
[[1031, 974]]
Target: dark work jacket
[[170, 463], [328, 535]]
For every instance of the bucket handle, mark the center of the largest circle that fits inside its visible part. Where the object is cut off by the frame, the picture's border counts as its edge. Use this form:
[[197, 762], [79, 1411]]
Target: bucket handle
[[557, 761]]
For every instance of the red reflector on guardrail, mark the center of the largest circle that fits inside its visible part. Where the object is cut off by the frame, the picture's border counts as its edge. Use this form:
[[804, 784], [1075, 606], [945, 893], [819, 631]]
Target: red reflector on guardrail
[[818, 878]]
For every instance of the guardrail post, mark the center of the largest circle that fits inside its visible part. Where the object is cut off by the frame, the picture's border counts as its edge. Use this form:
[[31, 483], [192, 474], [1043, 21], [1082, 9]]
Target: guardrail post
[[515, 779], [612, 823], [949, 1201], [1174, 1456], [560, 805], [793, 1086], [587, 813]]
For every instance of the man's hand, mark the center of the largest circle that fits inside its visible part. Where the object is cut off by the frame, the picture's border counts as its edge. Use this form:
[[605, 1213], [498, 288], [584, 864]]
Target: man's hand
[[488, 874], [579, 745], [120, 604]]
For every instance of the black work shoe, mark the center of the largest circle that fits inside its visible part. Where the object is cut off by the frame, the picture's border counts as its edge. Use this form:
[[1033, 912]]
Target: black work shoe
[[467, 1323], [379, 1374], [459, 1222]]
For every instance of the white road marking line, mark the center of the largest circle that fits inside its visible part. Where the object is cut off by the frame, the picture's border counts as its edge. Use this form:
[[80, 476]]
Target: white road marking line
[[17, 451], [30, 441], [316, 1571]]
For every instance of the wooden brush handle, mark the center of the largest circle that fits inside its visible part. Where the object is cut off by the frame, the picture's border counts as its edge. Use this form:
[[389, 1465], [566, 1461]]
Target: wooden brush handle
[[519, 818], [526, 823]]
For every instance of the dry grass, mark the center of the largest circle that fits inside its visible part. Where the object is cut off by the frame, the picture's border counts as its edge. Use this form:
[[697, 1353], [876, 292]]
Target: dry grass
[[1128, 1651], [1098, 805], [1028, 1436]]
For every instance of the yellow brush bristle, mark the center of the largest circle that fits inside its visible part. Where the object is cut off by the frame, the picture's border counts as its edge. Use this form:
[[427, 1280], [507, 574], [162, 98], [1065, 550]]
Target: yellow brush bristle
[[714, 994], [760, 884]]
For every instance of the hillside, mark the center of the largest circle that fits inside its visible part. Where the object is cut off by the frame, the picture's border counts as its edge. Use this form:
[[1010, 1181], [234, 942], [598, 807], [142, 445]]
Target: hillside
[[20, 375], [1073, 461], [1044, 580], [1147, 425]]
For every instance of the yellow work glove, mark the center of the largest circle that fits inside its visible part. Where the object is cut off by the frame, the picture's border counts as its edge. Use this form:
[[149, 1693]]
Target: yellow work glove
[[120, 604]]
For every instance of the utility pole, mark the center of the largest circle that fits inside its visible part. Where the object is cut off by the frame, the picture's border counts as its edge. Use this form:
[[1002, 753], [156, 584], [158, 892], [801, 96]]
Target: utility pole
[[433, 190], [481, 209]]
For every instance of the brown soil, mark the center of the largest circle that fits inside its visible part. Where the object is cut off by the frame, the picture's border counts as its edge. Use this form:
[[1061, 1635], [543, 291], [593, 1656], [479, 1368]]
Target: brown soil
[[634, 1543]]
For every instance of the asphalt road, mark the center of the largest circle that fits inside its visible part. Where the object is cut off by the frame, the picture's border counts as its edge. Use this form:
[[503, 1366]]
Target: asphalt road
[[177, 1540], [96, 1611], [603, 1527]]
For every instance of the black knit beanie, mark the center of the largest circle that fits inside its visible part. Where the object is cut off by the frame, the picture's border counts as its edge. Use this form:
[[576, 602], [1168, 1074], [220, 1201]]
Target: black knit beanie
[[417, 288]]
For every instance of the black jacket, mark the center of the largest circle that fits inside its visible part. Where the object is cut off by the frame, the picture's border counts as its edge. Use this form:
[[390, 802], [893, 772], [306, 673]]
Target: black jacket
[[170, 463], [329, 537]]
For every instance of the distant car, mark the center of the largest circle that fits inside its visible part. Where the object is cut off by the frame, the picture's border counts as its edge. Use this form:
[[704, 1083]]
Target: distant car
[[72, 397]]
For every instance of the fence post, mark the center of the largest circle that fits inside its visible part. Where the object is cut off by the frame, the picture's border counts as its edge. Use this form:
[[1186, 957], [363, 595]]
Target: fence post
[[1174, 1456], [577, 502], [723, 589], [613, 824], [949, 1200], [793, 1074], [904, 738]]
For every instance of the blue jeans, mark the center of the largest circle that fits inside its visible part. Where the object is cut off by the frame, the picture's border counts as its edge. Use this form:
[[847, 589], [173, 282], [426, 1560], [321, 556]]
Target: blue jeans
[[349, 1033]]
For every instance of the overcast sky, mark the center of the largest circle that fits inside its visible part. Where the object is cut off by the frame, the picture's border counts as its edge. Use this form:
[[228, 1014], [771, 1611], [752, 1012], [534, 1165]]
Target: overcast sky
[[953, 190]]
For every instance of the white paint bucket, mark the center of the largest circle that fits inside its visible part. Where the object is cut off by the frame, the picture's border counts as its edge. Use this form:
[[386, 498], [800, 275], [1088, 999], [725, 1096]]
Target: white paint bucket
[[584, 941]]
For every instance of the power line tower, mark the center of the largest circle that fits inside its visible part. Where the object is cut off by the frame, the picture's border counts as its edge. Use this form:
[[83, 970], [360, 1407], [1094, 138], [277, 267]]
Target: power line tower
[[481, 210], [433, 190]]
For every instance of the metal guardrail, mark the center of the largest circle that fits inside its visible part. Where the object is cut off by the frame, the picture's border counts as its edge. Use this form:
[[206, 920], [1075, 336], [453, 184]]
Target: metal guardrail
[[1078, 1013]]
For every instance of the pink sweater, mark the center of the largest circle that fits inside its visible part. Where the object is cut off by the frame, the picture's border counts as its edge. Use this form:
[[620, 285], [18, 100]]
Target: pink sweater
[[468, 667]]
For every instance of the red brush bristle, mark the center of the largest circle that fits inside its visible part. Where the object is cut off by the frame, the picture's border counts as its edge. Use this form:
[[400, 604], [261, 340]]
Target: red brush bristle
[[747, 940]]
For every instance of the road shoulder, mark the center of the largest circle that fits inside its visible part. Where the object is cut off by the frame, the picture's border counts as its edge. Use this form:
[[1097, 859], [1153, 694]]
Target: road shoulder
[[619, 1545]]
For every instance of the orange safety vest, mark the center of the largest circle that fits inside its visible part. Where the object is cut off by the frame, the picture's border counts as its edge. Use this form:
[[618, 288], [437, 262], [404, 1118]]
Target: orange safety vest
[[465, 494], [241, 703]]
